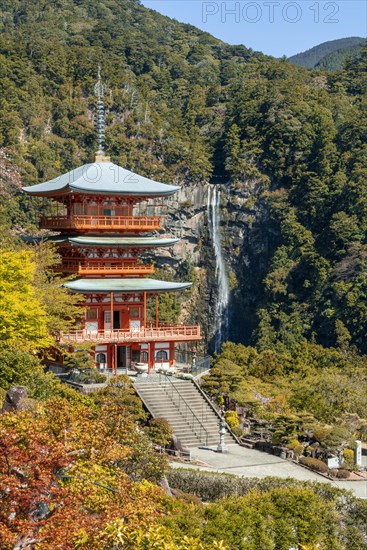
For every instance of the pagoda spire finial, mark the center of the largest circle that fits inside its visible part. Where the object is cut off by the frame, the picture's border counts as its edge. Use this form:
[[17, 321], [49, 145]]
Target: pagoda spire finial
[[99, 93]]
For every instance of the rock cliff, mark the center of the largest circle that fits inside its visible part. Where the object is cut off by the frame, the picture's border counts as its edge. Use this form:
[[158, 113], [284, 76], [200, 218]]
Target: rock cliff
[[246, 240]]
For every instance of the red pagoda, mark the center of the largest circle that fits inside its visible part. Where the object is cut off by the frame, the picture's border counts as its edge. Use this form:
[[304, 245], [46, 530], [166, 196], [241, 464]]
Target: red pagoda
[[105, 216]]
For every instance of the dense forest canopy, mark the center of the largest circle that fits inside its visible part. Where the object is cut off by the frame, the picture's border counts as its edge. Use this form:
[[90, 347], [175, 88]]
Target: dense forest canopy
[[335, 61], [317, 55], [181, 106], [184, 106]]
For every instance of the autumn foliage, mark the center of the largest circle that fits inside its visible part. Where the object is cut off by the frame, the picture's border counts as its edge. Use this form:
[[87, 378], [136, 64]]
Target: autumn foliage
[[62, 475]]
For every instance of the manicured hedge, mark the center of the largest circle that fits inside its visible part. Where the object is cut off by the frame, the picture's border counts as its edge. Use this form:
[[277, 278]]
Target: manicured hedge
[[209, 486], [314, 464], [342, 474]]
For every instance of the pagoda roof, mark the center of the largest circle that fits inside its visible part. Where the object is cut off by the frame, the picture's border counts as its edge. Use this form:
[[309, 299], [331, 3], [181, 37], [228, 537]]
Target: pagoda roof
[[86, 286], [101, 178], [123, 242]]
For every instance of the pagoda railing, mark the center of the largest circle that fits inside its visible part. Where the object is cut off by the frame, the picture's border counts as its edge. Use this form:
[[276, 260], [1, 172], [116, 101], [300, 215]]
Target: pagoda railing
[[102, 223], [99, 267], [179, 333]]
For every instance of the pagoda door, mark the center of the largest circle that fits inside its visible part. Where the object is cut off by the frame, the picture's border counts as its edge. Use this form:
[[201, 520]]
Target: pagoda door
[[116, 320], [123, 357]]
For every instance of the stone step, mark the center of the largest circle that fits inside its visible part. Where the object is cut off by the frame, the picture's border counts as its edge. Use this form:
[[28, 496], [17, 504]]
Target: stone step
[[197, 405], [210, 422], [177, 423], [191, 399], [166, 399], [185, 394], [196, 408], [161, 401]]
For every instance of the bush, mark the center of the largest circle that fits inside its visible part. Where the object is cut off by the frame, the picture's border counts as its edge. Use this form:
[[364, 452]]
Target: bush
[[186, 497], [314, 464], [239, 432], [23, 368], [88, 376], [232, 419], [160, 431], [277, 437], [210, 486], [348, 456], [296, 447], [342, 474]]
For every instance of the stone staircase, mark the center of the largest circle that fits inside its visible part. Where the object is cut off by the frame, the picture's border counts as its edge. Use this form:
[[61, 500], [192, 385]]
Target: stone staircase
[[193, 419]]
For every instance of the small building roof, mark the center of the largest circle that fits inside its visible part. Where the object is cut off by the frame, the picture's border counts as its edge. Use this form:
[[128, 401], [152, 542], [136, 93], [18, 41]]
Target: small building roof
[[123, 242], [86, 286], [99, 178]]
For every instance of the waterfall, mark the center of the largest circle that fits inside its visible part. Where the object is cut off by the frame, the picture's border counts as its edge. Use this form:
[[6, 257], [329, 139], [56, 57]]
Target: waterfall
[[221, 304]]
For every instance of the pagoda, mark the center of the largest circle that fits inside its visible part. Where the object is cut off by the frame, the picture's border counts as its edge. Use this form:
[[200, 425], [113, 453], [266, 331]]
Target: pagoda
[[104, 216]]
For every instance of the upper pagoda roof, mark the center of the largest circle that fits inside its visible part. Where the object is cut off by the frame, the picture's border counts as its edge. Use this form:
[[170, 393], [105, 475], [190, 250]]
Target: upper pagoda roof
[[104, 178], [86, 286]]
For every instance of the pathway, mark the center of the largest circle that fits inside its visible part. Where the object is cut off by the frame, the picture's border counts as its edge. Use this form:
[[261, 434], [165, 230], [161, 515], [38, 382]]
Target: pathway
[[251, 463]]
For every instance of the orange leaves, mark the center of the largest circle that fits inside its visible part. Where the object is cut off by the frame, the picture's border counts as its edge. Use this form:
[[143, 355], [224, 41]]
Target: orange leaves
[[66, 470], [28, 482]]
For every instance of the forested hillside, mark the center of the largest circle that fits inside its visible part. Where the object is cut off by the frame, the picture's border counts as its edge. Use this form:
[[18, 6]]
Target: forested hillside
[[287, 148], [184, 106], [312, 57], [336, 61]]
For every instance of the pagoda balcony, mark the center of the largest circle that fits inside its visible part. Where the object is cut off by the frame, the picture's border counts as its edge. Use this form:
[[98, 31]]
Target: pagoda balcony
[[83, 222], [181, 333], [104, 267]]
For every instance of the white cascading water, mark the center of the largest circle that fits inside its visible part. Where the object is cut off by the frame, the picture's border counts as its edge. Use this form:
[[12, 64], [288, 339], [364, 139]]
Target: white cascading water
[[221, 305]]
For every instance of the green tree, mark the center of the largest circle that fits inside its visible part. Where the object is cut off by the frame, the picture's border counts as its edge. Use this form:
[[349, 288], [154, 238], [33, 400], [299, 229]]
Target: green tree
[[23, 319]]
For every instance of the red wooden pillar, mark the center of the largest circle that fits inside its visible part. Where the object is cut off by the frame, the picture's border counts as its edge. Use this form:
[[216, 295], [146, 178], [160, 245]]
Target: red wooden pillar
[[171, 354], [156, 311], [111, 357], [111, 311], [145, 310], [150, 356]]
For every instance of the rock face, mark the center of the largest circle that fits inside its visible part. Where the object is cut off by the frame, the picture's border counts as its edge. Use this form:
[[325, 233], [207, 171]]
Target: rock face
[[245, 248], [16, 399]]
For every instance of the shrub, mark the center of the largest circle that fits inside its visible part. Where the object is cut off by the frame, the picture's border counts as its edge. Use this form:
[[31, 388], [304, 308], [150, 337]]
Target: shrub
[[232, 419], [296, 447], [210, 486], [342, 474], [187, 497], [239, 432], [277, 437], [88, 376], [160, 431], [314, 464], [348, 456]]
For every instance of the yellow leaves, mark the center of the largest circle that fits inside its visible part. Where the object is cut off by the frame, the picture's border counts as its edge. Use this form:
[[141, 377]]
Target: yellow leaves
[[92, 434], [159, 538], [63, 308], [279, 404], [100, 488], [23, 319], [75, 456], [34, 305]]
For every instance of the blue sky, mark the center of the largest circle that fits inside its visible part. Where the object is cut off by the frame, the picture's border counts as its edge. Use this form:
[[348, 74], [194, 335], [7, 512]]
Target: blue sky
[[275, 27]]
